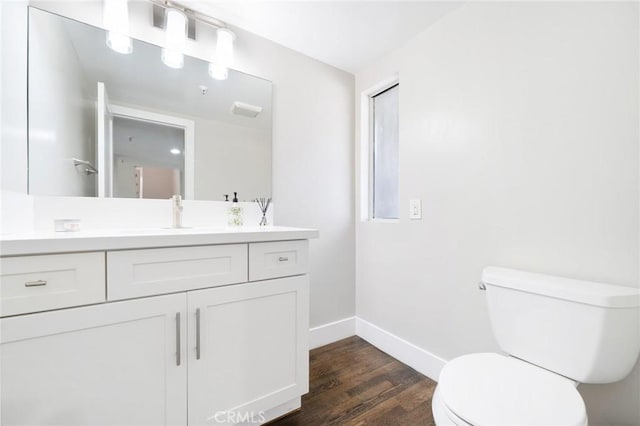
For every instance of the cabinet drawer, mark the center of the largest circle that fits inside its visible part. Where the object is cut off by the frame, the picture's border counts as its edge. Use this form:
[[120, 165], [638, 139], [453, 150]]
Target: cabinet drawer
[[41, 283], [136, 273], [278, 259]]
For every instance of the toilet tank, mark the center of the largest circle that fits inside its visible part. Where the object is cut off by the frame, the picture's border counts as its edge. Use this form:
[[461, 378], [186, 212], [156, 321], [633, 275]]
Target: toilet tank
[[587, 331]]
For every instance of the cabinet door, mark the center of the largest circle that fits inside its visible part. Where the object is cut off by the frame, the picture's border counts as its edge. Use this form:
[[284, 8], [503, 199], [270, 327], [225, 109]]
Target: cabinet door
[[248, 349], [113, 364]]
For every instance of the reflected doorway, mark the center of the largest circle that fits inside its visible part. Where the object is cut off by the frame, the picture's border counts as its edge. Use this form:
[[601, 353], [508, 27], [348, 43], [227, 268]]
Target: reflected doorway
[[150, 154]]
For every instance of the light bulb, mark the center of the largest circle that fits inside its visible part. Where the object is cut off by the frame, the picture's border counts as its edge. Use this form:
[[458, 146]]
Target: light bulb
[[224, 47], [218, 72], [175, 38], [172, 58], [119, 43], [224, 55], [115, 19]]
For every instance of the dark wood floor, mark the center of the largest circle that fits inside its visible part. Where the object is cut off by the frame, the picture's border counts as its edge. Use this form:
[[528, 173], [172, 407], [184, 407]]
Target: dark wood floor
[[354, 383]]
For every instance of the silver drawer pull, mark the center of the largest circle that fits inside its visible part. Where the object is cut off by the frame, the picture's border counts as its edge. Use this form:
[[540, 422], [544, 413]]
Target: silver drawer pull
[[283, 259], [38, 283], [198, 333], [178, 339]]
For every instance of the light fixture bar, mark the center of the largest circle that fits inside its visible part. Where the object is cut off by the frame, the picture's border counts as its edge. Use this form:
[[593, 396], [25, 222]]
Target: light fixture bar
[[158, 20], [192, 14], [172, 57]]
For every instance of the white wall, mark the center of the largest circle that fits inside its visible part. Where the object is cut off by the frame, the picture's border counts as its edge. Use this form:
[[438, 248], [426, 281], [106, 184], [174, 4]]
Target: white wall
[[229, 158], [519, 130], [13, 61], [60, 119], [312, 166], [16, 210], [312, 147]]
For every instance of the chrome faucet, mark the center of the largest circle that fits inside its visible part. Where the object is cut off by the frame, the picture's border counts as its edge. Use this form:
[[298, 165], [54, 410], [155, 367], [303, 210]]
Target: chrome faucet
[[176, 203]]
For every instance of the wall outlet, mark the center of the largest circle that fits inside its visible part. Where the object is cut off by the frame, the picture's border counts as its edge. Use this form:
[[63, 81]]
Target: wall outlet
[[415, 209]]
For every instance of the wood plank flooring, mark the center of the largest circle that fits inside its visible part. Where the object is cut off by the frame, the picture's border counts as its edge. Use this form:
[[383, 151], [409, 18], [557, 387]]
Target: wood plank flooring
[[353, 383]]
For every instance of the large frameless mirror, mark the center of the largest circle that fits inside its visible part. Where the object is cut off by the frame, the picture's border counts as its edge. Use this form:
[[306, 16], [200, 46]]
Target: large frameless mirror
[[107, 124]]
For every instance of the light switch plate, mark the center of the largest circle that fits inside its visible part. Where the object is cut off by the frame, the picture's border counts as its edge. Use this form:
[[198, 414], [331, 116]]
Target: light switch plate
[[415, 209]]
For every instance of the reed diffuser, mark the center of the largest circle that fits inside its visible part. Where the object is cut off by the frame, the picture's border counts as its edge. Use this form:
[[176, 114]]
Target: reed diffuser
[[263, 203]]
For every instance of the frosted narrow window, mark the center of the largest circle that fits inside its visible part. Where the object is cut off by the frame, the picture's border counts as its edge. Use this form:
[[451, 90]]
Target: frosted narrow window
[[385, 154]]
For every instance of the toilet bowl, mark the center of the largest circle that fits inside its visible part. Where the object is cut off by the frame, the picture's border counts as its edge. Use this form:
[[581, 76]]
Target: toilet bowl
[[494, 389], [556, 333]]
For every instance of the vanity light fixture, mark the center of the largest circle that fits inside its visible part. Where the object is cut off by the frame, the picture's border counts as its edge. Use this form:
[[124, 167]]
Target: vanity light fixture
[[115, 18], [175, 38], [176, 35], [175, 151], [224, 54]]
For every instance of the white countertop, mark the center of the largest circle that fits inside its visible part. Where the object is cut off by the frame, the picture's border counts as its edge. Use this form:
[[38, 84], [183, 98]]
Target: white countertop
[[122, 239]]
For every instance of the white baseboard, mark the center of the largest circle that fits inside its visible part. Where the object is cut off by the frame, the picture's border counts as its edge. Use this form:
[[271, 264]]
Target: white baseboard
[[417, 358], [406, 352], [332, 332]]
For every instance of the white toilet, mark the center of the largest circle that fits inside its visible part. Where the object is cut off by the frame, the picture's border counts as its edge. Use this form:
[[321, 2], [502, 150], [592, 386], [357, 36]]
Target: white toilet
[[556, 333]]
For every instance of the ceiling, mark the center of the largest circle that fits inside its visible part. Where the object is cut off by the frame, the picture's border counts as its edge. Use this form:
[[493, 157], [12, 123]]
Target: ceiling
[[346, 34]]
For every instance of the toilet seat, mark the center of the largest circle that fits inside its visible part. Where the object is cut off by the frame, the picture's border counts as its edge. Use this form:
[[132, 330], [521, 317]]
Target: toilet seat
[[493, 389]]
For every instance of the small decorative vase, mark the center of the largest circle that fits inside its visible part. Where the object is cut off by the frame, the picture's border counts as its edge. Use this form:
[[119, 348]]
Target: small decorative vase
[[263, 204], [235, 215]]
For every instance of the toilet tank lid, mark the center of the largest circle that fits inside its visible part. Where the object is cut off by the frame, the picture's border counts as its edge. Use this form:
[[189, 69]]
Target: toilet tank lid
[[588, 292]]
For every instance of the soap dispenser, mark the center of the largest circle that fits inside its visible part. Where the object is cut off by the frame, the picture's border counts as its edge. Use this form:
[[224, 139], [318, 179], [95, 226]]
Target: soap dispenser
[[235, 212]]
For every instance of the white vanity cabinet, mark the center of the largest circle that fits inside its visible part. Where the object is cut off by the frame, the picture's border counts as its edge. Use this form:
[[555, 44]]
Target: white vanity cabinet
[[278, 259], [137, 273], [111, 364], [41, 283], [219, 349], [245, 352]]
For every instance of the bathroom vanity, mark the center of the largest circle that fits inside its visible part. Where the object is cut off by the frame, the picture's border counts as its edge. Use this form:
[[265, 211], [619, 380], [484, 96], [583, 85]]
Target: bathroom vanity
[[157, 327], [145, 326]]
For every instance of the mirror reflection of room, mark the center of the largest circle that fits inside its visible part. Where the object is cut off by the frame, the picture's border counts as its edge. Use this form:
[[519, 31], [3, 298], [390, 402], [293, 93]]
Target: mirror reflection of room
[[148, 159], [148, 130]]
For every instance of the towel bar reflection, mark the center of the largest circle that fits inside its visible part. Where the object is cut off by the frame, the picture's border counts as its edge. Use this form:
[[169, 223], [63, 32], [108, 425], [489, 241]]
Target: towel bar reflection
[[89, 169]]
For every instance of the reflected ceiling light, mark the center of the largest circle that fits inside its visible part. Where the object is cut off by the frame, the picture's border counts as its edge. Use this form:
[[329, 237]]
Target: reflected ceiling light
[[175, 38], [218, 72], [115, 18], [224, 54], [175, 151]]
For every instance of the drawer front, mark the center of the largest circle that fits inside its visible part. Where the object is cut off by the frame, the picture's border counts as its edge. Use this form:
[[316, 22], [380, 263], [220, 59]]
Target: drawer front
[[137, 273], [278, 259], [41, 283]]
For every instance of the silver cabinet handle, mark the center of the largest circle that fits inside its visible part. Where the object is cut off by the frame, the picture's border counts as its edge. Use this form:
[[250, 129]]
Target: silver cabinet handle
[[283, 259], [178, 338], [38, 283], [198, 333]]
